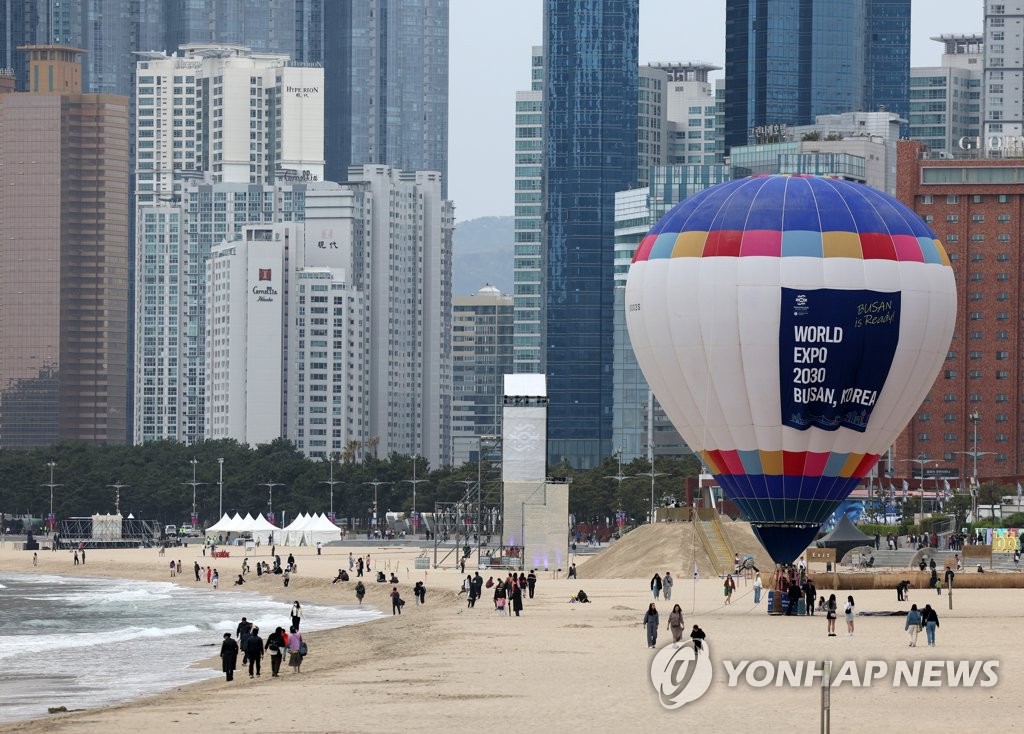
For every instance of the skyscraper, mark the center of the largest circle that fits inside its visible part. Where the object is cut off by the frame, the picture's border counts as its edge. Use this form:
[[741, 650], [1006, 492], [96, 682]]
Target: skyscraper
[[386, 64], [945, 101], [590, 152], [528, 260], [788, 61], [1003, 95], [64, 280]]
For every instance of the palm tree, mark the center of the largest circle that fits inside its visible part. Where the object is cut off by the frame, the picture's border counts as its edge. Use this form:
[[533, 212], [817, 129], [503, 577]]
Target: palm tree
[[351, 450]]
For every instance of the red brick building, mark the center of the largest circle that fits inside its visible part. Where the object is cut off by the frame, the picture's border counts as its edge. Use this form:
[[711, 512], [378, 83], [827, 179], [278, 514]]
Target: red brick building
[[976, 208]]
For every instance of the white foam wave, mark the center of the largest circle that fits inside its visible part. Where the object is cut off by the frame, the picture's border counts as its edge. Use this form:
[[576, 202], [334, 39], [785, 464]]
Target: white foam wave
[[16, 645]]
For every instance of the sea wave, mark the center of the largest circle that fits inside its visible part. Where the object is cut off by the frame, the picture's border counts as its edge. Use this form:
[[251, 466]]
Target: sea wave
[[12, 645]]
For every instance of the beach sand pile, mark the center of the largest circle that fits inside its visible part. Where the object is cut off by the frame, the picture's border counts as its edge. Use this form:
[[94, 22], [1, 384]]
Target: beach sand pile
[[668, 547], [561, 666]]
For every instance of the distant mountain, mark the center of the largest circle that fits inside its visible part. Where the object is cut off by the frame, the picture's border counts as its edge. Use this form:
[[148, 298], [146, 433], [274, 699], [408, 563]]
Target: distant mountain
[[483, 254]]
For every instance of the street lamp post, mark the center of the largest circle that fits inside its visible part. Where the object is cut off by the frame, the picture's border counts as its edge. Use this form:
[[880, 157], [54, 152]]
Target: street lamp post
[[220, 486], [331, 482], [376, 483], [117, 487], [270, 500], [51, 485], [414, 482], [975, 419], [194, 483], [652, 474], [619, 477], [922, 462]]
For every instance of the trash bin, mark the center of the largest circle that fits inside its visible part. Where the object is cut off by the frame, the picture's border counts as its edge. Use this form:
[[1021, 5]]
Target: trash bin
[[801, 607], [784, 606], [771, 602]]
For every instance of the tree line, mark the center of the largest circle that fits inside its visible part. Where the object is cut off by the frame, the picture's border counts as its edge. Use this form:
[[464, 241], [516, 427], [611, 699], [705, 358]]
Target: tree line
[[156, 482]]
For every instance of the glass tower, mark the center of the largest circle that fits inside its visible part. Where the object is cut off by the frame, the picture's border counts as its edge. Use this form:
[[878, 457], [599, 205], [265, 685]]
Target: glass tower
[[788, 61], [590, 152]]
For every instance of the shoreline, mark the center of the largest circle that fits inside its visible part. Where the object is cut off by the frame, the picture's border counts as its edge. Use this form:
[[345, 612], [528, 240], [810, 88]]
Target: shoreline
[[558, 665]]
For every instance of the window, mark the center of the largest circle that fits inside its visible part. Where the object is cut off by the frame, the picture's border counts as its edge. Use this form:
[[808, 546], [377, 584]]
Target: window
[[1002, 257], [977, 198], [977, 237], [950, 374], [975, 355], [1003, 218], [952, 217], [949, 398], [1002, 374], [949, 436], [949, 417], [977, 217], [975, 315], [926, 199], [1003, 199], [952, 199], [922, 437], [952, 237]]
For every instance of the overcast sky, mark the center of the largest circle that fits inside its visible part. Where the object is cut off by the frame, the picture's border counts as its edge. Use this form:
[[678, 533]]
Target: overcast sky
[[490, 61]]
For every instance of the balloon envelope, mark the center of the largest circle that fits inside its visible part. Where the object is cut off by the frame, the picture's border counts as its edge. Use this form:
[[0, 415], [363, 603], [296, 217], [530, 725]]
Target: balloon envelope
[[790, 327]]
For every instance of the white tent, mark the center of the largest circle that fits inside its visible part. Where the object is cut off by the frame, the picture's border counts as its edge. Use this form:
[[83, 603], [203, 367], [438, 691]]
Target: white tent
[[262, 529], [322, 530], [221, 526], [293, 534]]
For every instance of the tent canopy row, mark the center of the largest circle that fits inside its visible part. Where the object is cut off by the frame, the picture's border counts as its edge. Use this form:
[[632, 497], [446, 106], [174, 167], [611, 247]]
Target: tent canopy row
[[304, 530]]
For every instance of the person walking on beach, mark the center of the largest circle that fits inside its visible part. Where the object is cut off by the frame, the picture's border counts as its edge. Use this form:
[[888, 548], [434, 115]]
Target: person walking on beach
[[360, 591], [531, 579], [517, 598], [209, 574], [396, 602], [359, 567], [275, 646], [656, 587], [758, 586], [651, 621], [216, 579], [675, 625], [178, 568], [196, 569], [228, 656], [294, 650], [697, 635], [319, 547], [666, 585], [931, 623], [830, 615], [728, 587], [420, 592], [242, 633], [173, 567], [81, 549], [811, 595], [848, 611], [76, 558], [35, 559], [254, 651], [351, 561], [913, 624], [472, 592], [296, 614]]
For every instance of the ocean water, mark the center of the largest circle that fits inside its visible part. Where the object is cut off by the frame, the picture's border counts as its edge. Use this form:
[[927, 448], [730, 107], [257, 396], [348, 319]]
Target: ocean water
[[88, 642]]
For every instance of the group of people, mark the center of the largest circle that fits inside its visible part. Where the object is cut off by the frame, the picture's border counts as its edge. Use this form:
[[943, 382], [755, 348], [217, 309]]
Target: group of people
[[831, 607], [917, 620], [254, 648], [508, 592], [358, 564], [662, 585], [676, 625]]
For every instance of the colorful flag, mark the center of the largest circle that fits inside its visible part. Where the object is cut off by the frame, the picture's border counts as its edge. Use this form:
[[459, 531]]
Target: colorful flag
[[947, 490]]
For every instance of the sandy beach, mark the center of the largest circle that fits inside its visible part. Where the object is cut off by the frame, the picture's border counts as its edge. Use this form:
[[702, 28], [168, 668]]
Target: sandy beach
[[559, 665]]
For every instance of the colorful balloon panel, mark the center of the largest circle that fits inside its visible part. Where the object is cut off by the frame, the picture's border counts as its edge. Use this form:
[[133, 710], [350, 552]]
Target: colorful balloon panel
[[790, 327]]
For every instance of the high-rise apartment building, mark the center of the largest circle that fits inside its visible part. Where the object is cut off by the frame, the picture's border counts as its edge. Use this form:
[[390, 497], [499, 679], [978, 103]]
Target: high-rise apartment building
[[1003, 93], [788, 61], [528, 257], [64, 279], [693, 137], [405, 268], [481, 356], [975, 207], [590, 136], [216, 127], [945, 100]]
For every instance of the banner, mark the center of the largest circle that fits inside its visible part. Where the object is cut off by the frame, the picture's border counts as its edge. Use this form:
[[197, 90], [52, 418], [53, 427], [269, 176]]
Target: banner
[[1004, 540], [835, 351]]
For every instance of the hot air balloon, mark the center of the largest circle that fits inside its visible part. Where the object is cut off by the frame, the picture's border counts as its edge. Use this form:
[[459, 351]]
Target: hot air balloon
[[790, 327]]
